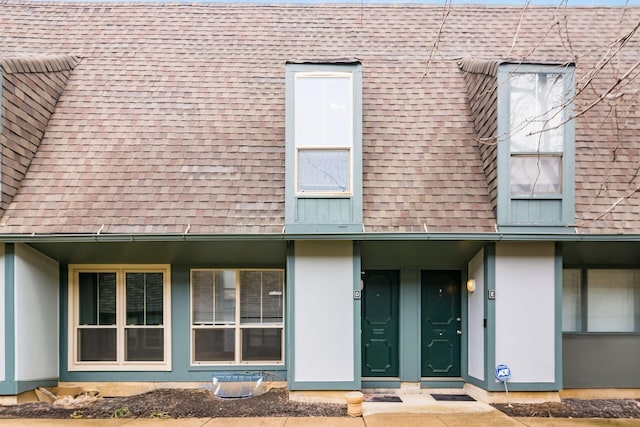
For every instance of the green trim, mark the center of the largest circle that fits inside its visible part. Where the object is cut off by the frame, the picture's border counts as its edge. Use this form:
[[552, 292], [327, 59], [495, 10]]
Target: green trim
[[357, 319], [290, 323], [64, 319], [464, 326], [499, 386], [490, 314], [567, 197], [9, 385], [291, 198], [476, 382], [321, 385], [409, 334], [530, 235], [22, 386], [558, 315], [379, 383], [442, 383]]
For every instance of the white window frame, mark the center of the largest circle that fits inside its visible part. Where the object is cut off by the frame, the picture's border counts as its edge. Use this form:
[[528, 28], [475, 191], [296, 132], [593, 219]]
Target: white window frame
[[327, 147], [237, 326], [120, 364]]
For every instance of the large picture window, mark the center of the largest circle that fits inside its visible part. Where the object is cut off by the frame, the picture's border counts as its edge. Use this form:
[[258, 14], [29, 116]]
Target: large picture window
[[119, 317], [237, 316], [601, 300]]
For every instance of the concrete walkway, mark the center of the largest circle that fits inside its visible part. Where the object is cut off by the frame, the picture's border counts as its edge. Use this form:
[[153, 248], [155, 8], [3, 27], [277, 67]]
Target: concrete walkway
[[483, 419]]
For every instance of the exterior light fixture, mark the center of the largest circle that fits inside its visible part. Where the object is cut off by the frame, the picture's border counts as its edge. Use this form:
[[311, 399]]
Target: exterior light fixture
[[471, 285]]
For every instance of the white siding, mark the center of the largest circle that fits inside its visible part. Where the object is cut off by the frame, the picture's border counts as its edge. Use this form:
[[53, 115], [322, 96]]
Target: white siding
[[476, 317], [525, 310], [37, 302], [323, 312], [2, 314]]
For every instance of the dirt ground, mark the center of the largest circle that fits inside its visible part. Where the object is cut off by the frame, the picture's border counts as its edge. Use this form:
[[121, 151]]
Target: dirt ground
[[575, 408], [181, 403]]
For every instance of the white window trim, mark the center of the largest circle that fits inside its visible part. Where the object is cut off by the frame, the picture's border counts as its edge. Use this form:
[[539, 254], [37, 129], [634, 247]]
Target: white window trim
[[236, 326], [323, 194], [73, 301]]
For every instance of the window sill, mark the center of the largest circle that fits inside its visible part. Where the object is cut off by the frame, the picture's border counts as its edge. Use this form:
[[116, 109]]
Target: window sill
[[160, 367]]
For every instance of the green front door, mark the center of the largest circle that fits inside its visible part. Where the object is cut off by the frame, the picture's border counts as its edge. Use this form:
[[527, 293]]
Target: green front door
[[380, 324], [441, 323]]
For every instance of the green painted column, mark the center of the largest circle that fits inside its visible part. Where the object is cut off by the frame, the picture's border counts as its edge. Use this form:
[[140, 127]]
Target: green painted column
[[409, 325]]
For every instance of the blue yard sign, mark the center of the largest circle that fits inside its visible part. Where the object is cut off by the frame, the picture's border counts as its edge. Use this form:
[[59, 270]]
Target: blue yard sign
[[503, 373]]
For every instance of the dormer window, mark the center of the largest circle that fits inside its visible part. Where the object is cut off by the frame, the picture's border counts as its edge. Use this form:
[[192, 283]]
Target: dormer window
[[323, 147], [536, 133], [323, 116], [535, 145]]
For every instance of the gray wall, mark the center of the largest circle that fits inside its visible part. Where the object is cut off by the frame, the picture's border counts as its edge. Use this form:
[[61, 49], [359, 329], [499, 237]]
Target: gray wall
[[601, 361]]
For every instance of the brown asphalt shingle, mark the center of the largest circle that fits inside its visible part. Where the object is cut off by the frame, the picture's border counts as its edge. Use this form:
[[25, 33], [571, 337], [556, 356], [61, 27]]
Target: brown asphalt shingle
[[175, 116]]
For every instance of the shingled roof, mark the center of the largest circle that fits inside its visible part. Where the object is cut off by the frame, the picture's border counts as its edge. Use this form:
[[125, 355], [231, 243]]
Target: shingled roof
[[174, 118]]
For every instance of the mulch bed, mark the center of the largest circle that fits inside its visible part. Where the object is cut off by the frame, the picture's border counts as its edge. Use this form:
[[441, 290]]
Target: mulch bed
[[574, 408], [179, 403], [199, 403]]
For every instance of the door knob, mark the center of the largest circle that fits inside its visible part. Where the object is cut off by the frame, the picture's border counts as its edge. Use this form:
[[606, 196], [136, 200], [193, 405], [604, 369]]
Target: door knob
[[459, 332]]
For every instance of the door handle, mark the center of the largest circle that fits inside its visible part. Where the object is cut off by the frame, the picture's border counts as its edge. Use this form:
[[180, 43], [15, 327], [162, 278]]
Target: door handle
[[459, 332]]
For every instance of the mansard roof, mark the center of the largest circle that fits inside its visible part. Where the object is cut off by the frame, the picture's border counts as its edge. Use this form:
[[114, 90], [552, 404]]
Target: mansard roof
[[173, 120]]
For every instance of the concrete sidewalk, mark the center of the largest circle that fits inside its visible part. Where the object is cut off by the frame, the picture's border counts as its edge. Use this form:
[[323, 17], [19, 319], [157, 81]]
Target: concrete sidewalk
[[491, 418]]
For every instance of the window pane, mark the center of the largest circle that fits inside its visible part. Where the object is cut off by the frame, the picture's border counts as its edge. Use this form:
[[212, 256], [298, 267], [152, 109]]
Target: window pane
[[250, 297], [261, 344], [536, 101], [571, 301], [214, 345], [97, 296], [135, 298], [97, 345], [536, 175], [144, 344], [154, 298], [225, 297], [323, 170], [202, 295], [272, 296], [261, 297], [612, 302], [323, 111], [144, 295]]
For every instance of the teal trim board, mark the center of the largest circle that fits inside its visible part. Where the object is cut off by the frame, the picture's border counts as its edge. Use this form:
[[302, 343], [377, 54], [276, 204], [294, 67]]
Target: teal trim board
[[541, 209], [498, 386], [558, 315], [410, 310], [9, 386], [490, 314], [290, 323], [180, 319], [464, 325], [64, 316], [22, 386], [322, 385], [378, 383], [357, 318], [310, 211]]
